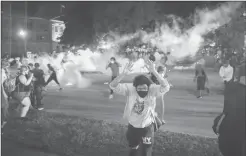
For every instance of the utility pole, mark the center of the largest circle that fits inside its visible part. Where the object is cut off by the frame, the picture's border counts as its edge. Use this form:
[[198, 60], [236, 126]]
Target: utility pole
[[25, 40], [10, 29]]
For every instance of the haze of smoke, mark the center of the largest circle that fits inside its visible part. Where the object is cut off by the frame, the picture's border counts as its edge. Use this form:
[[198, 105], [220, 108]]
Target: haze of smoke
[[182, 43], [189, 42]]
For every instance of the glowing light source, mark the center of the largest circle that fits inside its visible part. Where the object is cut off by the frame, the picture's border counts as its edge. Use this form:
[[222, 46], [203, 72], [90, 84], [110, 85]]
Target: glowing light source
[[22, 33]]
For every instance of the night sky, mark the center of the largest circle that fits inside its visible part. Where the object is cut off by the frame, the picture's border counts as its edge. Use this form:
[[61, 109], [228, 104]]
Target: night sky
[[52, 8]]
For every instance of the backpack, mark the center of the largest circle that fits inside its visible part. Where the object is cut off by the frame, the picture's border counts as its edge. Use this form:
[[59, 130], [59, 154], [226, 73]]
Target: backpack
[[10, 85]]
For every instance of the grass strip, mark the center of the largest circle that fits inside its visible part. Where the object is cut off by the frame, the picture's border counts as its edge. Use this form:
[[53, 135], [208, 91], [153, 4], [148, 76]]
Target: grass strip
[[76, 136]]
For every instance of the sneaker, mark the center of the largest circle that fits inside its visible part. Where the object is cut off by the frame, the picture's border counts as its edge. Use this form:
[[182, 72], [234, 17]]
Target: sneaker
[[199, 97], [41, 108], [60, 88], [111, 96]]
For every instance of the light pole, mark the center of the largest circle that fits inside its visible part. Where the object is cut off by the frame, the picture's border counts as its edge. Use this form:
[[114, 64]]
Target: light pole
[[22, 33]]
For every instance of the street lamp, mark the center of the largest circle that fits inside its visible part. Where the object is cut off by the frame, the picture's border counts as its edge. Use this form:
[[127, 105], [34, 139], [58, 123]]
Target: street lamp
[[22, 34]]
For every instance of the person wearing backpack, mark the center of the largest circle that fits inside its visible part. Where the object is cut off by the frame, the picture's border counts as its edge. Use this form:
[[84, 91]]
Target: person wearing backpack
[[22, 91], [39, 84]]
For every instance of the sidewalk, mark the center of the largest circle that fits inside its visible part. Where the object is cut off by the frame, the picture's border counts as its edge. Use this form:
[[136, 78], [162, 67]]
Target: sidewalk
[[10, 148]]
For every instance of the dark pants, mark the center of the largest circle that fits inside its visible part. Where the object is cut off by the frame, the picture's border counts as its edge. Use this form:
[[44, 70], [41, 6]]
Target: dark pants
[[37, 96], [52, 77], [32, 98], [201, 83], [112, 78], [140, 136]]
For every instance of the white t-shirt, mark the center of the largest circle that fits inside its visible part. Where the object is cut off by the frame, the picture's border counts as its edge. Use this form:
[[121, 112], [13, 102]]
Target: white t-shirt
[[139, 112], [226, 73]]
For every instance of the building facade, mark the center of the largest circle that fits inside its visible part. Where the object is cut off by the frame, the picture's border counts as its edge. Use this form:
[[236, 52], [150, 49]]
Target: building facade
[[20, 35], [37, 35], [58, 28]]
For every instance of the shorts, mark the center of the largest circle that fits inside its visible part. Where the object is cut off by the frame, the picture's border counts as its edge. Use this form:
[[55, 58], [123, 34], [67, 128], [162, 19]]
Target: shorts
[[137, 136], [200, 83], [19, 96]]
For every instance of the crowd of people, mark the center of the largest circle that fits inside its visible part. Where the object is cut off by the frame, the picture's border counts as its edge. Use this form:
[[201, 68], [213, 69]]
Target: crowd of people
[[143, 121], [25, 87]]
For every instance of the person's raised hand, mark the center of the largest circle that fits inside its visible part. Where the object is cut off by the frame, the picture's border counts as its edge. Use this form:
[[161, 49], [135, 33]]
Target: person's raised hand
[[149, 64], [128, 68]]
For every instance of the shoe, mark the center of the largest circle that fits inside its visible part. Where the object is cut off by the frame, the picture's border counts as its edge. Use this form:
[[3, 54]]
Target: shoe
[[4, 123], [40, 108], [199, 97], [111, 96], [61, 89]]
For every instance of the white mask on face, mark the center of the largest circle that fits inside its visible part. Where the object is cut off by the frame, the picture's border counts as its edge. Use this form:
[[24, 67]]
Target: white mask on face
[[111, 61]]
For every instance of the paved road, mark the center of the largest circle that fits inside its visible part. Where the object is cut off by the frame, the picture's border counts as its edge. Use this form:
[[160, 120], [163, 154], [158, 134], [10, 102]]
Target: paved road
[[184, 112]]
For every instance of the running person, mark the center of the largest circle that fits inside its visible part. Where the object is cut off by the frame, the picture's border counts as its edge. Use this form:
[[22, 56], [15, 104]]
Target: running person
[[114, 66], [53, 76], [140, 107]]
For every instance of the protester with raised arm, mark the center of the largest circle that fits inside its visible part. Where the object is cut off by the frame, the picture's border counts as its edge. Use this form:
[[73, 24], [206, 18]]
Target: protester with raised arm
[[140, 107]]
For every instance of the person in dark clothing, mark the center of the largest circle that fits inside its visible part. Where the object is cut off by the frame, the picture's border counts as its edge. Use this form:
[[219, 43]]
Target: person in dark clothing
[[53, 76], [31, 67], [234, 62], [38, 86], [114, 66], [230, 125], [200, 78]]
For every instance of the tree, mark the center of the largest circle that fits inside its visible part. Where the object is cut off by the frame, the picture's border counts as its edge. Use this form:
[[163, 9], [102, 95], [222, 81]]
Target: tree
[[231, 35], [79, 24]]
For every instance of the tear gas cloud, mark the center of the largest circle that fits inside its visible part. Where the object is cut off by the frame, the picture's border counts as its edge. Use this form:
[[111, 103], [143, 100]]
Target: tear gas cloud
[[182, 42]]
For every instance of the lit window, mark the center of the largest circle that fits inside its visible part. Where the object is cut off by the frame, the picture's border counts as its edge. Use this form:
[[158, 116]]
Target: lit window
[[56, 29]]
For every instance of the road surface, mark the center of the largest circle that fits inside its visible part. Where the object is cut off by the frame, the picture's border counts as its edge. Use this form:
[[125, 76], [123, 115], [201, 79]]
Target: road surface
[[184, 112]]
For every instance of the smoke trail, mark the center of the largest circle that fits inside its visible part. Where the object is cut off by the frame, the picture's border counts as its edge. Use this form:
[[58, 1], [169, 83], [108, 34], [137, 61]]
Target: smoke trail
[[181, 43], [189, 42]]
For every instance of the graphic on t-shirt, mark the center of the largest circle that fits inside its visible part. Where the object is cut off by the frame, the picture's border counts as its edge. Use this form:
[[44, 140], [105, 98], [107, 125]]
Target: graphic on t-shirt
[[138, 107]]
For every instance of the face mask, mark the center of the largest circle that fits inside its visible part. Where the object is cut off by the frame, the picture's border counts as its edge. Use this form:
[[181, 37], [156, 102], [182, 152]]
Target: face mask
[[142, 94], [111, 61]]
